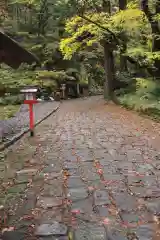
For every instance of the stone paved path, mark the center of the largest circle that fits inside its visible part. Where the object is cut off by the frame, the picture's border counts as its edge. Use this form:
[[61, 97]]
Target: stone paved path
[[91, 173]]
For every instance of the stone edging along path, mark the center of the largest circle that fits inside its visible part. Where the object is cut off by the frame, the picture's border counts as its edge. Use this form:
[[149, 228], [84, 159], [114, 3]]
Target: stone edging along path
[[24, 131]]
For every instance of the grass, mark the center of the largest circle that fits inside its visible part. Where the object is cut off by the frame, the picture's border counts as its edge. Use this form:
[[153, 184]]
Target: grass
[[8, 111]]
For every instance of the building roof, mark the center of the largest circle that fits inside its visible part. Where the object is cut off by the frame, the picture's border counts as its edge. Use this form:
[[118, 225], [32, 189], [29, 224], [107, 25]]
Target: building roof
[[12, 54]]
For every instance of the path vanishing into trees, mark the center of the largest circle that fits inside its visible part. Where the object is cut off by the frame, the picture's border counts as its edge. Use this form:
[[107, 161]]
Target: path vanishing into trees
[[91, 172]]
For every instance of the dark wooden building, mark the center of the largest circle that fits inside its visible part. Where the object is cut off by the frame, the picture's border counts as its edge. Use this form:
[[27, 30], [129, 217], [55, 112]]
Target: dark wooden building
[[12, 54]]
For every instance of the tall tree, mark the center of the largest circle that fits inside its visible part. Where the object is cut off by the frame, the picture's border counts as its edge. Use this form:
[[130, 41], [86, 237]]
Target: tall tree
[[154, 23], [109, 64], [104, 6], [123, 59]]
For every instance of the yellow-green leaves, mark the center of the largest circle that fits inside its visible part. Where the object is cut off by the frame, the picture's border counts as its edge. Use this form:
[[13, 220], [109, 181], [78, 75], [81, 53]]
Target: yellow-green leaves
[[157, 17], [78, 28], [131, 21], [68, 47], [134, 4]]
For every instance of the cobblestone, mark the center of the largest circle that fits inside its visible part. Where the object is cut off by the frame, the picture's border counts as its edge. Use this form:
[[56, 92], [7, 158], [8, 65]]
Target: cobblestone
[[51, 229], [101, 162], [154, 207], [78, 193], [101, 198], [90, 233], [48, 202], [145, 232]]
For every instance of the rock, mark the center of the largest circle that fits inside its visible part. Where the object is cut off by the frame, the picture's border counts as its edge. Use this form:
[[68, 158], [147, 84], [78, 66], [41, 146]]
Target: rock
[[24, 175], [16, 189], [77, 193], [130, 218], [145, 232], [54, 229], [112, 177], [138, 191], [101, 197], [13, 235], [85, 155], [124, 201], [154, 207], [153, 192], [48, 202], [102, 211], [50, 191], [135, 180], [90, 232], [71, 165], [146, 192], [144, 168], [53, 175], [83, 206], [91, 176], [49, 169], [75, 181], [29, 171], [54, 238], [115, 235]]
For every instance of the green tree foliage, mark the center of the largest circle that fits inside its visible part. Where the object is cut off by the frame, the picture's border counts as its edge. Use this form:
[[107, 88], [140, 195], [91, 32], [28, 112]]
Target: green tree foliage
[[14, 80], [94, 41], [126, 24]]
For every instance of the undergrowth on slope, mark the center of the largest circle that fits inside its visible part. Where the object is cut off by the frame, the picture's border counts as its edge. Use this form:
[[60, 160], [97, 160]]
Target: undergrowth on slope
[[143, 96]]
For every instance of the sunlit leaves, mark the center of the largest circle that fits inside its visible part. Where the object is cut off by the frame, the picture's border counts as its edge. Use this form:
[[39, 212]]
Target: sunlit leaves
[[144, 57], [129, 21], [157, 17], [77, 28], [134, 4]]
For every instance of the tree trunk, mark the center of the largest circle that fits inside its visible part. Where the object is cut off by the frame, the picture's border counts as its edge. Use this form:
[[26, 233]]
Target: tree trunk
[[156, 46], [123, 59], [106, 6], [90, 84], [155, 31], [122, 4], [108, 61], [109, 72]]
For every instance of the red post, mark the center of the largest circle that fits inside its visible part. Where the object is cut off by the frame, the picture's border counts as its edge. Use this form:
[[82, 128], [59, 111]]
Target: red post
[[31, 119]]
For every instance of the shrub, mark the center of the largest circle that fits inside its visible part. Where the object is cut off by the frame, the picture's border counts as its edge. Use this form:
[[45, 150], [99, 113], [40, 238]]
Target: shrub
[[8, 111], [145, 98], [11, 100]]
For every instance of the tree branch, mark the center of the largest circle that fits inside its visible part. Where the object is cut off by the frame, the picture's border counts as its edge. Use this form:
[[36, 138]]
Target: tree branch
[[102, 27], [145, 9], [133, 61], [158, 6]]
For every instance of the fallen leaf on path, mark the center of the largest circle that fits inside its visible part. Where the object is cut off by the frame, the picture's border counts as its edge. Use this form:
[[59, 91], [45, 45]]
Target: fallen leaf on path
[[1, 207], [106, 221], [91, 189], [76, 211], [9, 229], [100, 171], [27, 217]]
